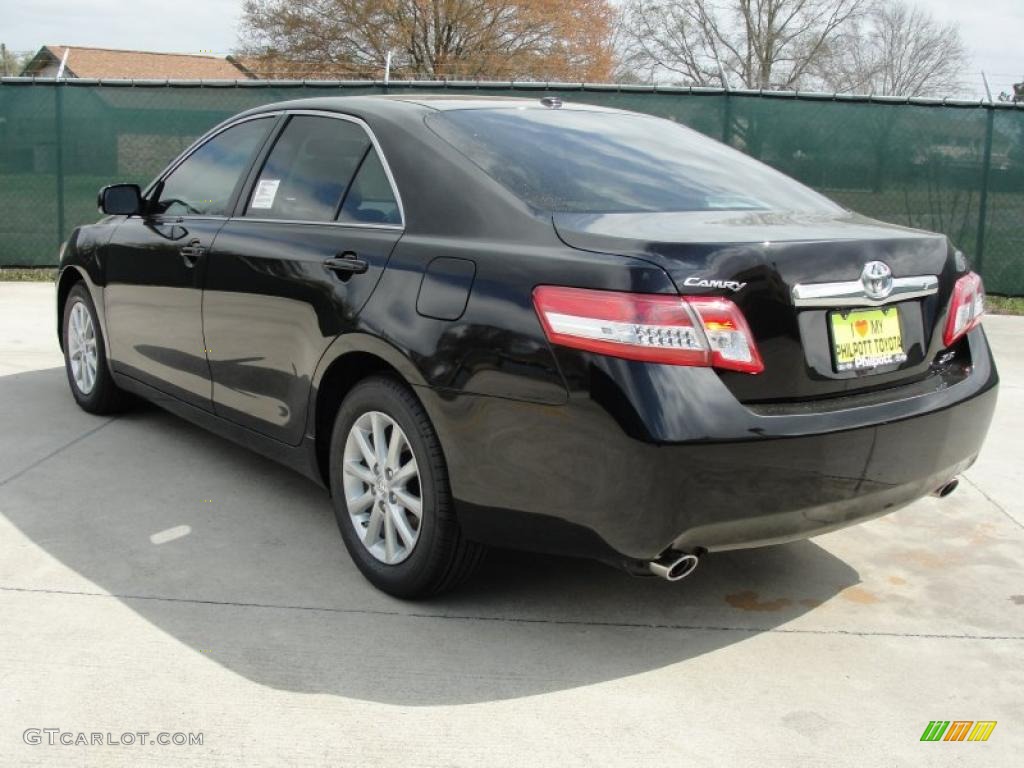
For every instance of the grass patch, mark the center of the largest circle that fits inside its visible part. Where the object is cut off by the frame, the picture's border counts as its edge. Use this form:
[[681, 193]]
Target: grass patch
[[1005, 305], [28, 274]]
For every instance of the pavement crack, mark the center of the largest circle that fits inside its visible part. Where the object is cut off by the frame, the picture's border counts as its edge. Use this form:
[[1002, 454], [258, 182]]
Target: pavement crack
[[518, 619], [993, 502], [54, 452]]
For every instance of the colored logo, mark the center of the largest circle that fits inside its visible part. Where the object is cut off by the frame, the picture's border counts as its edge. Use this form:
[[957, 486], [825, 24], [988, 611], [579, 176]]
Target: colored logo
[[958, 730]]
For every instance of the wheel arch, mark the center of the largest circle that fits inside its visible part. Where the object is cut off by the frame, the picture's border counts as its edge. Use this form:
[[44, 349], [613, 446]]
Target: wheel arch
[[351, 359], [68, 278]]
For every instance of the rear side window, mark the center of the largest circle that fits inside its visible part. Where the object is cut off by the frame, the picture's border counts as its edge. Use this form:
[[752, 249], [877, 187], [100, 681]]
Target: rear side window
[[309, 169], [581, 161], [370, 199], [205, 182]]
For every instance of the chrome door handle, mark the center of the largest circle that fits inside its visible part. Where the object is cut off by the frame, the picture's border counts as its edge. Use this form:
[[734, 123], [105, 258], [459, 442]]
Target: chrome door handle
[[347, 264], [190, 253]]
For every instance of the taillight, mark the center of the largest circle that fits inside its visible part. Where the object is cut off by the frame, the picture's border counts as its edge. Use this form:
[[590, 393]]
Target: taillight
[[966, 307], [729, 336], [653, 328]]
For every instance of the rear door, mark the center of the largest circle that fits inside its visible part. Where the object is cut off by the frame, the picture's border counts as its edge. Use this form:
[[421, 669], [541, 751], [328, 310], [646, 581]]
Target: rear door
[[155, 265], [290, 272]]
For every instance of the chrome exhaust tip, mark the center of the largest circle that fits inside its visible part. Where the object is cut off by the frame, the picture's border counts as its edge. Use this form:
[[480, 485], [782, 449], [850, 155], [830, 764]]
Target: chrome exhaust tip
[[944, 490], [674, 566]]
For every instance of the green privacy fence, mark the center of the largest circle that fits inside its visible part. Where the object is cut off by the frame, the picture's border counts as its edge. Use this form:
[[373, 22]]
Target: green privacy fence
[[953, 167]]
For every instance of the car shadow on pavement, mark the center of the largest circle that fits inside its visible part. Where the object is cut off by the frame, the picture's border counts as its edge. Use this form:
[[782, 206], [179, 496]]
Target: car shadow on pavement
[[240, 560]]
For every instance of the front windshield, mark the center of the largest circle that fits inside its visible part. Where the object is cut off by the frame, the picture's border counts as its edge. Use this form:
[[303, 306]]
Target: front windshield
[[579, 161]]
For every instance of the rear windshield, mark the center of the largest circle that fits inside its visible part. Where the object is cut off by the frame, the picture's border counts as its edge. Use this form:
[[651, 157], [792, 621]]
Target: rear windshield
[[598, 162]]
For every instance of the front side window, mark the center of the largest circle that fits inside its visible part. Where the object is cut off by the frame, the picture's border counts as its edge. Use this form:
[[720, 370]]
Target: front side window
[[579, 161], [204, 183], [309, 169]]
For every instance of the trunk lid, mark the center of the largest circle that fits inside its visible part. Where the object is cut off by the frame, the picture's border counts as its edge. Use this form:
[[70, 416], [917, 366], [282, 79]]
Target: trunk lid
[[756, 258]]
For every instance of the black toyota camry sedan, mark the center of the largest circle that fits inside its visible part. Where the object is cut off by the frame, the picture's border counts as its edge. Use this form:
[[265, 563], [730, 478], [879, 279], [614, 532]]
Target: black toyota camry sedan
[[534, 325]]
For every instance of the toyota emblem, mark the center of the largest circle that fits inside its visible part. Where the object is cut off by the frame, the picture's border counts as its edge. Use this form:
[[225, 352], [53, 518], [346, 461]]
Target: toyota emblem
[[876, 279]]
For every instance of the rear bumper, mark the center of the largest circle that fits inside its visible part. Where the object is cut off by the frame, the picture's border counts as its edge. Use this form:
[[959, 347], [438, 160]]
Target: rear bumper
[[659, 457]]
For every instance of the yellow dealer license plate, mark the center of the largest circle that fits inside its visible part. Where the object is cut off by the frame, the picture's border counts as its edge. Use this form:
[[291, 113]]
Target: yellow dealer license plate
[[867, 338]]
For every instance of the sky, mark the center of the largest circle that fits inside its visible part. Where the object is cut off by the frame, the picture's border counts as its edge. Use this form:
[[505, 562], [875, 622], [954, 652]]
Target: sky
[[990, 28]]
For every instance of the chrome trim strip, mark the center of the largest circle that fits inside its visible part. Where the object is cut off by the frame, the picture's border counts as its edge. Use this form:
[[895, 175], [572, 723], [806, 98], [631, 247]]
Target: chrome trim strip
[[180, 218], [852, 293], [348, 224], [315, 113]]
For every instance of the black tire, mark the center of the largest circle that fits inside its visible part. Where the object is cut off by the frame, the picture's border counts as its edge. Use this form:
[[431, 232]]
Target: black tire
[[441, 557], [104, 397]]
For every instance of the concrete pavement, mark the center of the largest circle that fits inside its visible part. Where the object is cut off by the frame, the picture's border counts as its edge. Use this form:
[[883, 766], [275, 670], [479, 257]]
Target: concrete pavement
[[156, 578]]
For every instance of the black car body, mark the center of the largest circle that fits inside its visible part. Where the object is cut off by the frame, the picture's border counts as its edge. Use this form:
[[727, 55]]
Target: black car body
[[258, 326]]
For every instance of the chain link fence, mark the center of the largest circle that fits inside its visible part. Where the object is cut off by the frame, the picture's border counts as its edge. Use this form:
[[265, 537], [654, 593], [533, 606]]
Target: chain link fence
[[952, 167]]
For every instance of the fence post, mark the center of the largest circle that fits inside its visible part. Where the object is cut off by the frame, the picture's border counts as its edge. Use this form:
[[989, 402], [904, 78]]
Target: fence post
[[727, 119], [986, 169], [58, 95]]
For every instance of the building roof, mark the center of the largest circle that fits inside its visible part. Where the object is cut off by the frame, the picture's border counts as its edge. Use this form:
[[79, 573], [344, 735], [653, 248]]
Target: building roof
[[112, 64], [274, 67]]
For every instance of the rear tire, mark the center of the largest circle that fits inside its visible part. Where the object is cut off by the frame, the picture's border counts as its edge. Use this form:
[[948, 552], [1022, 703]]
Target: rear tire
[[85, 356], [392, 500]]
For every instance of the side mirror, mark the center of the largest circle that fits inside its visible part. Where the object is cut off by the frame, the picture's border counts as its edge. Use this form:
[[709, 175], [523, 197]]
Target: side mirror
[[121, 200]]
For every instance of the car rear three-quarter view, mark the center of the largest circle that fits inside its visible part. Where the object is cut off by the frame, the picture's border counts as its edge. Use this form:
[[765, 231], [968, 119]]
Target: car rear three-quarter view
[[536, 325]]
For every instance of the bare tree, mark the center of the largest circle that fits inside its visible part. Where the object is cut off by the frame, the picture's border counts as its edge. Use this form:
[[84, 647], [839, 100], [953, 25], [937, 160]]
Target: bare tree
[[550, 39], [1016, 96], [769, 44], [13, 62], [899, 50], [626, 68]]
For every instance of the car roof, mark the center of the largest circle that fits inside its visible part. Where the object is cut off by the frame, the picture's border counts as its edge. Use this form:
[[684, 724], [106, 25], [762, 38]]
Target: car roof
[[393, 105], [444, 102]]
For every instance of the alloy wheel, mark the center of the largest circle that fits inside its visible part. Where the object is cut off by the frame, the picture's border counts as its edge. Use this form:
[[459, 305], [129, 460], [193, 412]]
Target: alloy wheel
[[82, 349], [382, 487]]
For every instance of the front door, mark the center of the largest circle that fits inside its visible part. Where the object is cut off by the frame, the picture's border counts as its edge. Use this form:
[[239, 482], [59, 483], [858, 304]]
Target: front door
[[155, 266], [292, 271]]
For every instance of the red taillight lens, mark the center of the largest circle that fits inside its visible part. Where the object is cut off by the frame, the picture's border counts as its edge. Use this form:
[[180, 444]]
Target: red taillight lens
[[729, 336], [648, 327], [966, 308]]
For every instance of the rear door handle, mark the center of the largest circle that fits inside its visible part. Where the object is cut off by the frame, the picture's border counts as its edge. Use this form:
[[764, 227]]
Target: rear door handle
[[347, 264], [190, 253]]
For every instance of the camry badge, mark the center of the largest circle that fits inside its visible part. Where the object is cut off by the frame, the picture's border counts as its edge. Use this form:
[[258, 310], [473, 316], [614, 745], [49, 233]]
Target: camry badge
[[876, 279], [696, 282]]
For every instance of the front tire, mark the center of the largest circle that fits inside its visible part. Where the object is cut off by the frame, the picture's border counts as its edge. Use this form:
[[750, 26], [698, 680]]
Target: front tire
[[389, 485], [85, 355]]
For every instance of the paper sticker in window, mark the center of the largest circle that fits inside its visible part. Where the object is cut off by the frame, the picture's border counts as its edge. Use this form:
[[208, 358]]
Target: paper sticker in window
[[265, 193]]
